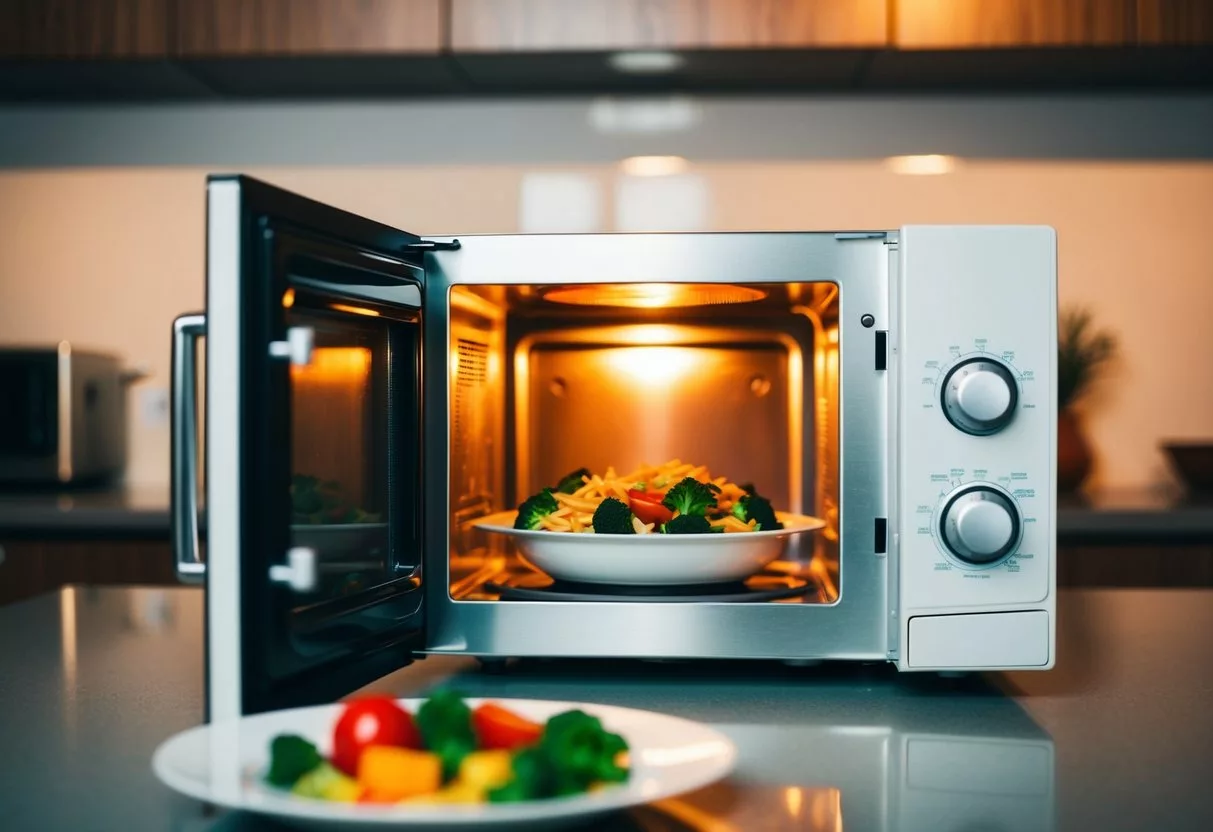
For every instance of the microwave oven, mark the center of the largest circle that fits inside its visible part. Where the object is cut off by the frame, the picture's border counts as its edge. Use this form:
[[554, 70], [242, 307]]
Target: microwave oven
[[370, 394], [62, 415]]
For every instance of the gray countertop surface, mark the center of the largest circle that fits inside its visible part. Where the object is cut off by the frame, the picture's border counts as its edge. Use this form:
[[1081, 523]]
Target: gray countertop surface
[[1110, 517], [1119, 736]]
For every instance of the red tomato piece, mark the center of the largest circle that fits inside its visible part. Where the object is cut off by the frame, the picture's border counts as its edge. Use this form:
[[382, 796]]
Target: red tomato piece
[[500, 729], [646, 505], [371, 720]]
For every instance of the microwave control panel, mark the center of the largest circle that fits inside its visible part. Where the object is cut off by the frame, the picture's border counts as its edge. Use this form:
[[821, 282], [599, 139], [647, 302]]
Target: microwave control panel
[[976, 354]]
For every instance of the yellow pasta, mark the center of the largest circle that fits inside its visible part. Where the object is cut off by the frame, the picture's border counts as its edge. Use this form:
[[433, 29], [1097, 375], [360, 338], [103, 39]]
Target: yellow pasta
[[576, 510]]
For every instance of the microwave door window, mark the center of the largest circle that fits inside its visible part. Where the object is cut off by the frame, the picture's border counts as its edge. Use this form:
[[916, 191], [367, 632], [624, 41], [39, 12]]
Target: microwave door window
[[336, 497], [349, 485], [339, 458]]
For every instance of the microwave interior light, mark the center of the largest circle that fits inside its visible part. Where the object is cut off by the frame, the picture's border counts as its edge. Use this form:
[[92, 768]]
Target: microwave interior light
[[353, 310], [329, 365], [654, 295], [654, 366]]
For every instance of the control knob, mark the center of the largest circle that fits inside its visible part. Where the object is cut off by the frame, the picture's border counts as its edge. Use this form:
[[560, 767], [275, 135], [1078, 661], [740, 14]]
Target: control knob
[[980, 524], [980, 395]]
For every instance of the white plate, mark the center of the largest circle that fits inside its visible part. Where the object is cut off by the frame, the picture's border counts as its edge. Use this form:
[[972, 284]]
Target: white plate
[[223, 764], [650, 559]]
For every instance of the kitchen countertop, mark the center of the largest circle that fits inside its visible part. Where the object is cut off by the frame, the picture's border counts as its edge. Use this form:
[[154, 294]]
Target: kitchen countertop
[[105, 512], [1116, 737], [1114, 517]]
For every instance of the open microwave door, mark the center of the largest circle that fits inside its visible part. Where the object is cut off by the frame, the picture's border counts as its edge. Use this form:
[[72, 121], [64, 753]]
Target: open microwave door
[[312, 448]]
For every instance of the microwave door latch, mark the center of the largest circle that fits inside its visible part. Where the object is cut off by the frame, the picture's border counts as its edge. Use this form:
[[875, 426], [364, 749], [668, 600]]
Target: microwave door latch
[[299, 571], [300, 340]]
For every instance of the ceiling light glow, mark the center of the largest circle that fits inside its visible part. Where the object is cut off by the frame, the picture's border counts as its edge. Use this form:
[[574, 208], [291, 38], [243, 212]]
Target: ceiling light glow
[[933, 164]]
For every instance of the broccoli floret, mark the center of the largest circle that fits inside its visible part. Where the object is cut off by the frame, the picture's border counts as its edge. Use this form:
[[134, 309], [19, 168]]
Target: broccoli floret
[[534, 509], [688, 524], [691, 497], [291, 757], [613, 517], [571, 481], [755, 507]]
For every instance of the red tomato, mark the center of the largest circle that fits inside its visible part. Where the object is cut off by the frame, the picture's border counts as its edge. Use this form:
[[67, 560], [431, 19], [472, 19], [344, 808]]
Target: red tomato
[[371, 720], [498, 728], [647, 506]]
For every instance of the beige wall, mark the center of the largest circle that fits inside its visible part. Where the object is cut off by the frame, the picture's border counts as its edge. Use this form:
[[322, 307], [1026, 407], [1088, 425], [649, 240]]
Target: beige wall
[[107, 257]]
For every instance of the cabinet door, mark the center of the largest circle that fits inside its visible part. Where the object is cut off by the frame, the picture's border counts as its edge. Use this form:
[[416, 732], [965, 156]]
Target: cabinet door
[[83, 28], [1166, 22], [586, 25], [967, 24], [306, 27]]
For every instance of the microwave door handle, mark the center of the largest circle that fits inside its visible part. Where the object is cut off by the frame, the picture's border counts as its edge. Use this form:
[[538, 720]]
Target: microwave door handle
[[184, 480]]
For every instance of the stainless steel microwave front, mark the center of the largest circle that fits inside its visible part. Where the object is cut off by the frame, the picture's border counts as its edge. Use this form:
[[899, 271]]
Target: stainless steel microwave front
[[853, 624]]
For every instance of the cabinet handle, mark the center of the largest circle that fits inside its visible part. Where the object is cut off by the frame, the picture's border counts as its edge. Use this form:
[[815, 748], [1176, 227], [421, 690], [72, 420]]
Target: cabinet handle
[[184, 478]]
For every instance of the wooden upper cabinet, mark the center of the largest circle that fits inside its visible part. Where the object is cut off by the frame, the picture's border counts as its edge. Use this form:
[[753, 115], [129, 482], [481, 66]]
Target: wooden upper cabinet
[[83, 28], [218, 28], [975, 24], [1175, 21], [590, 25]]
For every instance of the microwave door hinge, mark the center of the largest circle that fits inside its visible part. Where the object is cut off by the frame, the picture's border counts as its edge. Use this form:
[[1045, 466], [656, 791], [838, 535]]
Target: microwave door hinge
[[433, 245]]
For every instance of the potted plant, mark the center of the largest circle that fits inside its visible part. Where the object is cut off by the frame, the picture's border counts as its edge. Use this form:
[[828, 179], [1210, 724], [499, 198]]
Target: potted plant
[[1082, 354]]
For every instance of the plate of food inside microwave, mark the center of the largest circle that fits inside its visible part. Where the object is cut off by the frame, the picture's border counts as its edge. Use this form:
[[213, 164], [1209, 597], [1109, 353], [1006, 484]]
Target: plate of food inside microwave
[[445, 761], [657, 525]]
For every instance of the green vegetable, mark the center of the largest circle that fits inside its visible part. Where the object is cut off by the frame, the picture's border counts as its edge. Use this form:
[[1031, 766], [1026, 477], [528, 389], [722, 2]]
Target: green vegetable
[[531, 778], [688, 524], [291, 757], [445, 722], [690, 496], [571, 481], [314, 502], [574, 753], [613, 517], [755, 507], [534, 509]]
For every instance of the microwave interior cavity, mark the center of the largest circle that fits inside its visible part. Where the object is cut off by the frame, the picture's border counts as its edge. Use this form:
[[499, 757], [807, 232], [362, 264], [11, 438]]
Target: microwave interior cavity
[[544, 380]]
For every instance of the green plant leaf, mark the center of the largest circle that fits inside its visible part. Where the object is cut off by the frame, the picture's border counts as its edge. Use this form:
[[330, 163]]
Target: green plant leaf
[[1082, 353]]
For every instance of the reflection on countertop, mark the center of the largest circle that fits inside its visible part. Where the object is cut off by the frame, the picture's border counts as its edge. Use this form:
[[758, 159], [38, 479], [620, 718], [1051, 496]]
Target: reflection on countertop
[[130, 511], [1134, 516], [1116, 737]]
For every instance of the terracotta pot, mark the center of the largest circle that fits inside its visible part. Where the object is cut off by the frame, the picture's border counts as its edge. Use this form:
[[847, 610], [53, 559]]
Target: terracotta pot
[[1073, 452]]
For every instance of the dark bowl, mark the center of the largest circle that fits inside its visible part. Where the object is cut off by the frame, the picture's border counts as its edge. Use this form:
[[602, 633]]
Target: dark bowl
[[1193, 461]]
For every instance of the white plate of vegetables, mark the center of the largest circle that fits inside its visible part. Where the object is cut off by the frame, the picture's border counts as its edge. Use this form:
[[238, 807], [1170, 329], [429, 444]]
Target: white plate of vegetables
[[444, 762], [665, 524]]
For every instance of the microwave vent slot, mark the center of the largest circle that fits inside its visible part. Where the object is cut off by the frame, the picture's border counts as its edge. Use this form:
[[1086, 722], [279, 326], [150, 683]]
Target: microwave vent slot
[[472, 429], [471, 374], [473, 362]]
